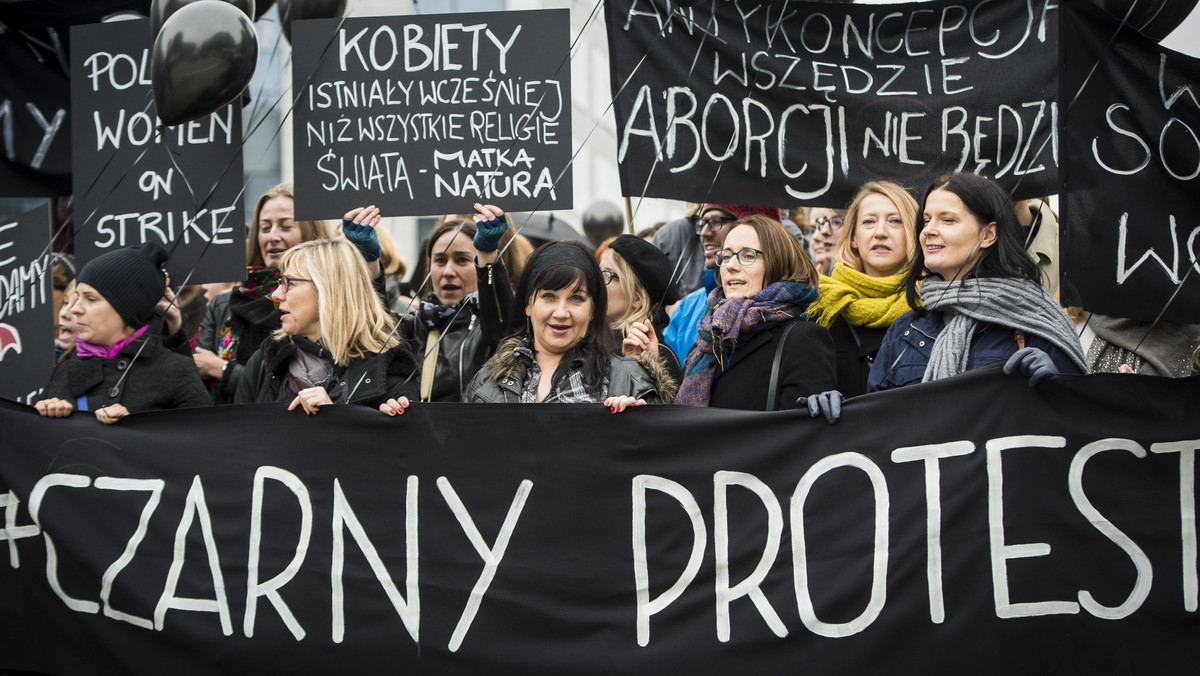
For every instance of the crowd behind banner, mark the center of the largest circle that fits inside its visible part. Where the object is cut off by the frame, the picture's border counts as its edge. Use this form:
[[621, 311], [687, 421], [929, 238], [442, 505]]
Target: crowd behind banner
[[949, 288]]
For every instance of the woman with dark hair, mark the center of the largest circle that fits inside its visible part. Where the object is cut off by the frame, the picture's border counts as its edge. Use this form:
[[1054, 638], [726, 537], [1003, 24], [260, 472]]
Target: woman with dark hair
[[337, 343], [458, 325], [118, 365], [861, 298], [977, 295], [755, 350], [561, 350], [637, 277], [235, 324]]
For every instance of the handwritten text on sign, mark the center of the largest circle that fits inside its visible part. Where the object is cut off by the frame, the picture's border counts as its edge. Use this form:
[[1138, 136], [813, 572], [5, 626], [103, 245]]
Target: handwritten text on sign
[[422, 115], [774, 103], [137, 181]]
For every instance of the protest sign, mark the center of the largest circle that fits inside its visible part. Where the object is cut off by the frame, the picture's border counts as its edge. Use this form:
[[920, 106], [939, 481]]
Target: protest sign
[[423, 115], [136, 181], [971, 525], [1131, 172], [26, 305], [36, 157], [786, 103]]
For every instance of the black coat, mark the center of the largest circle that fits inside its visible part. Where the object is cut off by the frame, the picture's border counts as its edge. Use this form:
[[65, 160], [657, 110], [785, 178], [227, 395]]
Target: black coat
[[806, 367], [856, 347], [251, 319], [156, 379], [373, 379], [470, 338]]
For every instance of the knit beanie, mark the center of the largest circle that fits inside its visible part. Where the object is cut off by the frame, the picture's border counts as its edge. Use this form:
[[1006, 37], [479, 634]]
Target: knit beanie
[[744, 210], [651, 266], [130, 279]]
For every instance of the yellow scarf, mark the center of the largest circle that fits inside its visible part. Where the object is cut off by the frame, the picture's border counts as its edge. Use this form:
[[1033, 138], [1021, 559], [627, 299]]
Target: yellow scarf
[[873, 302]]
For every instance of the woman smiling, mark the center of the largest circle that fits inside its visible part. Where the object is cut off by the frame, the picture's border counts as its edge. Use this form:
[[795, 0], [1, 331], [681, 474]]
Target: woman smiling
[[755, 350], [561, 350]]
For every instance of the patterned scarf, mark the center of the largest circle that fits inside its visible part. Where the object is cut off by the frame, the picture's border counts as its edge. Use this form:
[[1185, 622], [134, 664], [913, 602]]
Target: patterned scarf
[[730, 322], [1004, 301], [435, 315], [872, 302], [260, 283]]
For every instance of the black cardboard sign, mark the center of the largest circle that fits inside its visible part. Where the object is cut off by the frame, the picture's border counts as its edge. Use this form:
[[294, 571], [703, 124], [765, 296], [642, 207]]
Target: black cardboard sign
[[424, 115], [26, 305], [131, 183]]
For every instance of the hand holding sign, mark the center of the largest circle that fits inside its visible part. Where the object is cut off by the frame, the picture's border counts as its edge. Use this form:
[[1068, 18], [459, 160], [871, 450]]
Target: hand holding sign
[[202, 59]]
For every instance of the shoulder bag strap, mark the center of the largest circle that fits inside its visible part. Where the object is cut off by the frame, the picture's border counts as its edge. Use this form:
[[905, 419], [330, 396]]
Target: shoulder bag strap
[[773, 387]]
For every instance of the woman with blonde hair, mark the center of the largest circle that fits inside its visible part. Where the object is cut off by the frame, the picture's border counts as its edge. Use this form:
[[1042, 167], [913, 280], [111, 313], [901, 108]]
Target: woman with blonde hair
[[235, 324], [863, 295], [337, 343], [637, 278]]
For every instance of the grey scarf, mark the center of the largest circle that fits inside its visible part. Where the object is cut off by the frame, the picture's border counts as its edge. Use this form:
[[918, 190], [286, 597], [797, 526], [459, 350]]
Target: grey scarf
[[1004, 301]]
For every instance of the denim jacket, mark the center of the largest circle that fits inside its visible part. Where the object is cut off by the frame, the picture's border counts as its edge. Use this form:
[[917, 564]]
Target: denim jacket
[[909, 341]]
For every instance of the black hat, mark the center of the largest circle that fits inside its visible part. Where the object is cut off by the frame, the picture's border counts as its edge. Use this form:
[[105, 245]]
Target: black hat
[[650, 265], [130, 279]]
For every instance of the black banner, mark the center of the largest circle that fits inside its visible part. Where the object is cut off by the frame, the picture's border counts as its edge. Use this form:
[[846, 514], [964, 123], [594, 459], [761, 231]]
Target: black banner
[[779, 102], [1131, 172], [180, 185], [36, 159], [26, 306], [425, 115], [972, 525]]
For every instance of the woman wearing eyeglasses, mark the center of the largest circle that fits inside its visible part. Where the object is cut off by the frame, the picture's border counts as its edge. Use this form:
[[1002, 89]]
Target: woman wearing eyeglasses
[[561, 349], [862, 297], [637, 278], [828, 225], [336, 344], [756, 350]]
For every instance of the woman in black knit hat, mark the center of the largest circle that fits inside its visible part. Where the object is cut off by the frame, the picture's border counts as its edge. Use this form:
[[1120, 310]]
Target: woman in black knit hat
[[637, 277], [118, 365]]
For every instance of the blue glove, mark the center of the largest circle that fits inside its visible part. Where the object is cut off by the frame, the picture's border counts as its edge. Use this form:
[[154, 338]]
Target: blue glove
[[363, 237], [488, 233], [828, 404], [1033, 363]]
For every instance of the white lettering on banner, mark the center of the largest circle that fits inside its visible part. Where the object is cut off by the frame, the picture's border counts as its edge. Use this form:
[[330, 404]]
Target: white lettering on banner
[[141, 128], [1125, 271], [1001, 551], [437, 51], [21, 287], [931, 456], [50, 128], [675, 508], [195, 507], [215, 226]]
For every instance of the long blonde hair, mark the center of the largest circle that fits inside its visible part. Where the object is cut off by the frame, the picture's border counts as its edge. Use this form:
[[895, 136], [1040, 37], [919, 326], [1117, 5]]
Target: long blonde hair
[[354, 322], [639, 300], [905, 204], [309, 230]]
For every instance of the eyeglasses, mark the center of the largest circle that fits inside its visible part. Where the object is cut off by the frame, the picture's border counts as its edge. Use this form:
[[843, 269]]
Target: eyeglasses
[[714, 223], [746, 257], [834, 223], [609, 276], [285, 283]]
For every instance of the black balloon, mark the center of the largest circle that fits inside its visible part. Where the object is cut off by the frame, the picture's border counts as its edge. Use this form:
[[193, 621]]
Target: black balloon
[[160, 10], [1153, 18], [202, 59], [261, 7], [299, 10]]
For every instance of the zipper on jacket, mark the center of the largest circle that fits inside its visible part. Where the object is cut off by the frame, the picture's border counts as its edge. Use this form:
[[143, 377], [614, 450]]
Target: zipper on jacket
[[463, 347]]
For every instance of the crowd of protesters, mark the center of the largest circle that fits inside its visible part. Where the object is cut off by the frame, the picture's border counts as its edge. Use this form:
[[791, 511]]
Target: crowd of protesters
[[730, 306]]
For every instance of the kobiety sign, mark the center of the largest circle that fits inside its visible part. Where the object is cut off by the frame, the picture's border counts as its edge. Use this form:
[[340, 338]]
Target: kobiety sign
[[781, 103], [972, 524], [429, 114]]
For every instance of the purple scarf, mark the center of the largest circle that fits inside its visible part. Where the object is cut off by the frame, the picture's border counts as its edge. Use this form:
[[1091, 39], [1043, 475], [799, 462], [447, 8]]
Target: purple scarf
[[84, 349], [731, 322]]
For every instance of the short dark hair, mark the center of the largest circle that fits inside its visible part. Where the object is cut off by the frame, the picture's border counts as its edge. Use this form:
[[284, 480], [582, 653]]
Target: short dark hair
[[989, 203]]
